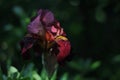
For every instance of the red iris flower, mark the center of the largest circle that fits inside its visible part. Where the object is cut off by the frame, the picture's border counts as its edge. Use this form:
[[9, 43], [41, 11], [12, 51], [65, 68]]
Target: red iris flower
[[45, 35]]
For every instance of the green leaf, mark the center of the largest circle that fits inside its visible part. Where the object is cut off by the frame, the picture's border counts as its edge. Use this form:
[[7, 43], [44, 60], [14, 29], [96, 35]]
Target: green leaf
[[65, 76], [8, 27], [75, 65], [27, 20], [4, 77], [95, 65], [25, 78], [76, 28], [1, 74], [44, 74], [100, 15], [74, 2], [36, 76], [116, 58], [18, 11], [78, 77], [27, 71], [54, 76], [12, 70], [80, 65], [13, 73]]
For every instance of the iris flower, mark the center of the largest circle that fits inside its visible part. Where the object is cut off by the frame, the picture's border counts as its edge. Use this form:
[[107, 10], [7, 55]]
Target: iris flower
[[46, 36]]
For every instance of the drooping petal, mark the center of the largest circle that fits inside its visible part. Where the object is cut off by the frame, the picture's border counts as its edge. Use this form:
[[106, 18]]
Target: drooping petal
[[64, 49], [26, 44], [26, 55], [37, 49]]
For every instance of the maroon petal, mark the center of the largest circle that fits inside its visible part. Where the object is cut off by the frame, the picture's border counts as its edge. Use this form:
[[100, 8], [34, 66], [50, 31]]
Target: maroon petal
[[26, 55], [38, 50], [26, 44], [64, 50]]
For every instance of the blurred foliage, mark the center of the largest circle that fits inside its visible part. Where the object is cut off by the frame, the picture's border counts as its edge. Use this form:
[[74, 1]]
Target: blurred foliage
[[93, 27]]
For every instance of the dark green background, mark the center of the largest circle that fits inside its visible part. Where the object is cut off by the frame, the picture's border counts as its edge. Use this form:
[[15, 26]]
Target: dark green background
[[92, 26]]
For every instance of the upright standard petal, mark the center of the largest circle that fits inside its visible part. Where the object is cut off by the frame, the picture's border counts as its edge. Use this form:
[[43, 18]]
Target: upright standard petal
[[47, 17], [35, 26]]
